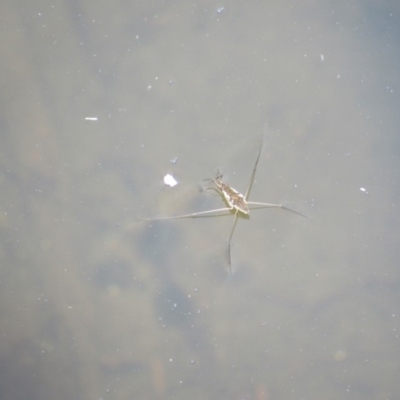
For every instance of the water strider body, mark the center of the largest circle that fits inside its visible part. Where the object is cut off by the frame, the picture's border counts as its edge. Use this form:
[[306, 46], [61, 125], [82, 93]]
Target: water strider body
[[236, 201]]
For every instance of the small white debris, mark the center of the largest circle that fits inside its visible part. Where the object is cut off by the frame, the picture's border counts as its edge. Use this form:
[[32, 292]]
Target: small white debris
[[174, 160], [170, 180], [322, 57], [363, 190], [91, 119]]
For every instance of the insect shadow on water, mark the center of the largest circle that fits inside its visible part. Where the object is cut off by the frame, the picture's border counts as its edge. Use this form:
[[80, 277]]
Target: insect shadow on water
[[238, 203]]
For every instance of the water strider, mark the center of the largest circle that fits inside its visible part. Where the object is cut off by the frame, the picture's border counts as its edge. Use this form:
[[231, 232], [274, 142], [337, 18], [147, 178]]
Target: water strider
[[237, 202]]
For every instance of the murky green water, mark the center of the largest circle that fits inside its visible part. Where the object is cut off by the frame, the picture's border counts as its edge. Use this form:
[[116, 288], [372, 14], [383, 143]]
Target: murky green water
[[97, 303]]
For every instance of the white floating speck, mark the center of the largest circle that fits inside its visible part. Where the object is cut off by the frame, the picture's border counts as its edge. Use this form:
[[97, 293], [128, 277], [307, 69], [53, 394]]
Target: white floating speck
[[170, 180], [174, 160], [322, 57], [91, 119], [363, 190]]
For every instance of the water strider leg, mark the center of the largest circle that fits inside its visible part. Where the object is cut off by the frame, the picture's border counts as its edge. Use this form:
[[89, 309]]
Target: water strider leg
[[253, 173], [268, 205], [192, 215], [230, 238]]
